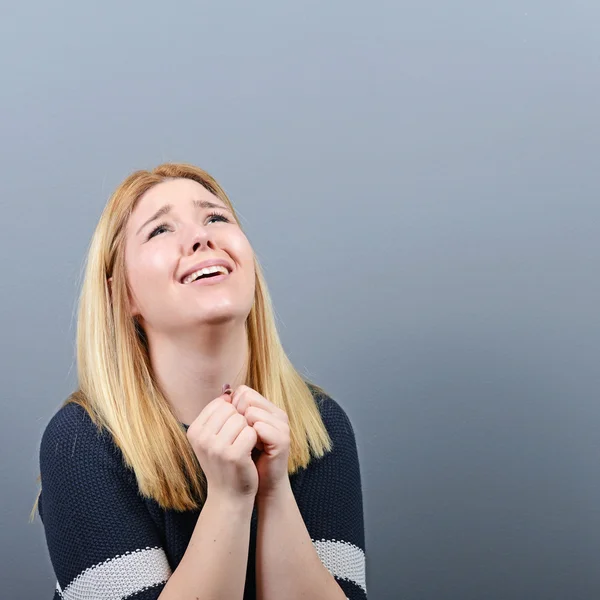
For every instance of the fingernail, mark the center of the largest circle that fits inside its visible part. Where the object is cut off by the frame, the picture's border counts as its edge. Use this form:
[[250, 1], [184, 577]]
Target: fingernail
[[226, 389]]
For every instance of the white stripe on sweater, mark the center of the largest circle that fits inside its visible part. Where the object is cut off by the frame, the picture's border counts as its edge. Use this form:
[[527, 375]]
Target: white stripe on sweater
[[119, 577], [343, 560], [133, 572]]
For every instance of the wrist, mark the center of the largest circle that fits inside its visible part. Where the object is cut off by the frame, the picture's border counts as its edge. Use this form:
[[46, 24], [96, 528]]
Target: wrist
[[232, 504], [279, 492]]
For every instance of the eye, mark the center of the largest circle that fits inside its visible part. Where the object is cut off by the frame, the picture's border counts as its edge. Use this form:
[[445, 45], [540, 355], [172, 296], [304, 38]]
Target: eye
[[218, 217], [158, 229]]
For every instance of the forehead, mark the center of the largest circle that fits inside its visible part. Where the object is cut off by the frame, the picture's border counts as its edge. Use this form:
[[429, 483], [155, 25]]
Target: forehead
[[177, 192]]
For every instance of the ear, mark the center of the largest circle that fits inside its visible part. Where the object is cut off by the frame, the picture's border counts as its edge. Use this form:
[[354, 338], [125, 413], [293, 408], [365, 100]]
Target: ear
[[133, 309]]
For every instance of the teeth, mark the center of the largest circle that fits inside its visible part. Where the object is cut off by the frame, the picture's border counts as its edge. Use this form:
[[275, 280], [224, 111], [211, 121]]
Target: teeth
[[206, 271]]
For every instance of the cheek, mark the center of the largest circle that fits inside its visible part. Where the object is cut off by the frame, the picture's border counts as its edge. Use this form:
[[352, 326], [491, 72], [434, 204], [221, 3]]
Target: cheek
[[145, 268], [243, 250], [249, 270]]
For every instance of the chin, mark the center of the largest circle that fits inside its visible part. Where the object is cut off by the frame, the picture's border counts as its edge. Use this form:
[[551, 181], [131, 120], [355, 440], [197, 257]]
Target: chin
[[221, 316]]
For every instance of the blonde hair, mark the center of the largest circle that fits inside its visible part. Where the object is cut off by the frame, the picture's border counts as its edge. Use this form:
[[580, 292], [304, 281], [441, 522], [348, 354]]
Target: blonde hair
[[115, 382]]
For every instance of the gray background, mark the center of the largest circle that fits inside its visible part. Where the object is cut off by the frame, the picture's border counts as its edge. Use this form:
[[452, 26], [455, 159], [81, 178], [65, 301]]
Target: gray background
[[420, 181]]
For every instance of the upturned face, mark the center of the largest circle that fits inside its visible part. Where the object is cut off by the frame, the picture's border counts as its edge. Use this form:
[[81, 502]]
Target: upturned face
[[187, 260]]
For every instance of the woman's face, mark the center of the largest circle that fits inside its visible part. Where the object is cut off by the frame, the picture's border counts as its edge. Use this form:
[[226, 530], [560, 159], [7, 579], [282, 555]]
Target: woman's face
[[177, 228]]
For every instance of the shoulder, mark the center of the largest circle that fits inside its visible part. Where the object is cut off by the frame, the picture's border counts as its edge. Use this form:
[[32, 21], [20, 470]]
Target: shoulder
[[344, 451], [334, 416], [70, 421], [79, 465], [72, 438]]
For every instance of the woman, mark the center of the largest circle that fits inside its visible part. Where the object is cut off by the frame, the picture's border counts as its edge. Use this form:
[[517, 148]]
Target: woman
[[193, 461]]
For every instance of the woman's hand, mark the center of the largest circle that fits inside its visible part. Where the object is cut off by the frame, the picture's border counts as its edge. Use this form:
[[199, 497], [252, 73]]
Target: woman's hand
[[272, 428], [223, 441]]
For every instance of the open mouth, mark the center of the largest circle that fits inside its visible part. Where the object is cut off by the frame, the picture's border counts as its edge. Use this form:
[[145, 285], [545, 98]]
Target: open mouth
[[207, 276], [206, 273]]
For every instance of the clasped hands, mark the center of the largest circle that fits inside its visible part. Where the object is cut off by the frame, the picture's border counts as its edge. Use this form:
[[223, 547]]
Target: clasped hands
[[272, 427]]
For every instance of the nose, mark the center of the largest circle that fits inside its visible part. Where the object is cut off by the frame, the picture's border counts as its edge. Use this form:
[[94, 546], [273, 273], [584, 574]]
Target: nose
[[199, 238]]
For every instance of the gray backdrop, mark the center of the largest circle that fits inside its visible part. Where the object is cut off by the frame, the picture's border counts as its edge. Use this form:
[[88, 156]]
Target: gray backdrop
[[420, 181]]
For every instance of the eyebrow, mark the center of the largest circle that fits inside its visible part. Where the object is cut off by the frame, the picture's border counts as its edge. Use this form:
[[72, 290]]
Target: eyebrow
[[166, 209]]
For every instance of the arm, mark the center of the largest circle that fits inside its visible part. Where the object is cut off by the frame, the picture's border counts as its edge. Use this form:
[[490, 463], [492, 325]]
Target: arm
[[214, 564], [102, 540], [287, 563], [310, 542]]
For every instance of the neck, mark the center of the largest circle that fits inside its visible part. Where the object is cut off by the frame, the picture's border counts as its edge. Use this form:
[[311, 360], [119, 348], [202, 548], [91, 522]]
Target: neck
[[191, 371]]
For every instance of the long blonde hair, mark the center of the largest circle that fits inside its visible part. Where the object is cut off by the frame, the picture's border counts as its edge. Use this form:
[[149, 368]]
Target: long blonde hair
[[115, 382]]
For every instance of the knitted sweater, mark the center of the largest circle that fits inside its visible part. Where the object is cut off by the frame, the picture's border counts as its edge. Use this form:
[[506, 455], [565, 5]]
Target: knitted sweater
[[108, 542]]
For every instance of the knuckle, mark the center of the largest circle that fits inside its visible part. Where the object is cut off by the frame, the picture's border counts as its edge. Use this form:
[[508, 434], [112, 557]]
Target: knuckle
[[213, 450], [243, 391], [204, 435], [197, 438], [250, 433], [239, 418], [230, 455]]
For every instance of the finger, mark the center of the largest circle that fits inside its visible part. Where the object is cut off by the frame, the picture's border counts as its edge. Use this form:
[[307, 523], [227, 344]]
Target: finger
[[232, 428], [270, 436], [213, 406], [240, 399], [246, 440], [255, 414], [271, 431], [219, 418], [244, 396]]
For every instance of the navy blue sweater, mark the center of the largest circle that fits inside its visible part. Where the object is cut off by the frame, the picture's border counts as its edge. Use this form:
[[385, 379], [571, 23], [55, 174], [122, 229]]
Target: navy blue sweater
[[107, 542]]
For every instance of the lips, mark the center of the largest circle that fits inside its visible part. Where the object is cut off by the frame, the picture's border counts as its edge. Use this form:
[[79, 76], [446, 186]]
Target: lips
[[206, 263], [209, 280]]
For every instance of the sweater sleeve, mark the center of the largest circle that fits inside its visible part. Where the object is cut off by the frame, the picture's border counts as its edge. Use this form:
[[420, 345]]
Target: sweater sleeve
[[102, 541], [329, 495]]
